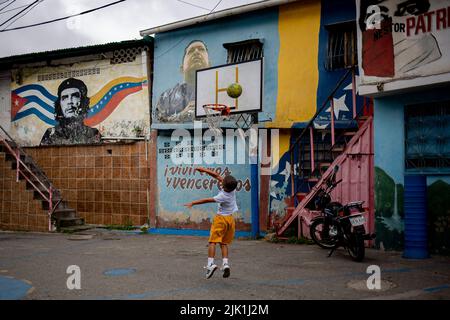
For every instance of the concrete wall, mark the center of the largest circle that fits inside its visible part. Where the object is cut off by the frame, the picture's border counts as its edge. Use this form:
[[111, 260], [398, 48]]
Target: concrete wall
[[5, 100], [105, 184], [114, 103], [18, 210]]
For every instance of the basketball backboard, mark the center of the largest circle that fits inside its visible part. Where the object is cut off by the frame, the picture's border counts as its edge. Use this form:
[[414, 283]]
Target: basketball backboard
[[212, 84]]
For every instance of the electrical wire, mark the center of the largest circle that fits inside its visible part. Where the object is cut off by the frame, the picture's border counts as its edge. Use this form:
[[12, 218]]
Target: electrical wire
[[28, 6], [16, 8], [25, 13], [181, 40], [63, 18], [4, 1], [194, 5], [7, 4]]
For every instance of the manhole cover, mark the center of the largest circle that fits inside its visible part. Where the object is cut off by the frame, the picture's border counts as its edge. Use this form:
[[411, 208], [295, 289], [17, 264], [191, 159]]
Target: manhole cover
[[80, 237], [361, 285], [119, 272]]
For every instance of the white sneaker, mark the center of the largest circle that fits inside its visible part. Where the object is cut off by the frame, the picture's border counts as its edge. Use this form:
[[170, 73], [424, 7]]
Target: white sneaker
[[210, 270], [226, 270]]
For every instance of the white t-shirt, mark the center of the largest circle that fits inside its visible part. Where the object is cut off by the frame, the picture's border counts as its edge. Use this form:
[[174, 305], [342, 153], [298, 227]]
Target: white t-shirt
[[226, 202]]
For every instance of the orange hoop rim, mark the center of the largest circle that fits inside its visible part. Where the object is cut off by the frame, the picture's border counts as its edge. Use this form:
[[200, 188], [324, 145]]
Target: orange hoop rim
[[223, 108]]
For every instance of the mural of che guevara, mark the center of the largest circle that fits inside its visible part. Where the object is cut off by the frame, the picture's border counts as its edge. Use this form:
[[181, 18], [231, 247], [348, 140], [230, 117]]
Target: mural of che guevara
[[71, 108]]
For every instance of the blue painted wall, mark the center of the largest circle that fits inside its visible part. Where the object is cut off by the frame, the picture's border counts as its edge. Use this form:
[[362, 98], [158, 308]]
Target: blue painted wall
[[334, 12], [169, 51], [179, 184], [389, 144]]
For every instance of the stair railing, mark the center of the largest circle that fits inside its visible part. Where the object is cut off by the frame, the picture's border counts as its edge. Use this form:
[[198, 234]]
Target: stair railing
[[19, 171], [310, 125]]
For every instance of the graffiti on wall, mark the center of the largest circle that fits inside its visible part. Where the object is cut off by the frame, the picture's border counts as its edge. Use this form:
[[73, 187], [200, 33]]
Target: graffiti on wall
[[403, 39], [186, 178], [179, 184], [177, 104], [47, 108]]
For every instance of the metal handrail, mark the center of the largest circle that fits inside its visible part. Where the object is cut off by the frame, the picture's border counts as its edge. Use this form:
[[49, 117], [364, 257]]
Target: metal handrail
[[324, 105], [310, 124], [40, 171], [19, 162]]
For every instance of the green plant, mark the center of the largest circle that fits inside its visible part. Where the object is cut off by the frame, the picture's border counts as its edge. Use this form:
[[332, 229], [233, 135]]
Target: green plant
[[127, 226]]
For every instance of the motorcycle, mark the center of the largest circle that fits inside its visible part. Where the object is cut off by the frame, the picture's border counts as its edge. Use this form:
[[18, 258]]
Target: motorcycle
[[339, 225]]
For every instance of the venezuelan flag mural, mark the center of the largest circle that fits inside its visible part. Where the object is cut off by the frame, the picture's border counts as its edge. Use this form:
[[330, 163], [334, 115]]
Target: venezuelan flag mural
[[82, 105]]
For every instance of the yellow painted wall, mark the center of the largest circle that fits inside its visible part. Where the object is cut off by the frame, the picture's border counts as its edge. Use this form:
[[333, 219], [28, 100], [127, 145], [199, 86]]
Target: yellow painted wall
[[298, 74], [283, 146]]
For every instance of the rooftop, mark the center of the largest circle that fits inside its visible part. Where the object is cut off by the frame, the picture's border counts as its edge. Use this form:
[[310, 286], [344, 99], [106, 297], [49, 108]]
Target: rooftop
[[72, 52]]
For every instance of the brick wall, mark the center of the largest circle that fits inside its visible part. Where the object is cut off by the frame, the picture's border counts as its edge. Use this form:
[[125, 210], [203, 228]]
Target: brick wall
[[18, 210], [106, 184]]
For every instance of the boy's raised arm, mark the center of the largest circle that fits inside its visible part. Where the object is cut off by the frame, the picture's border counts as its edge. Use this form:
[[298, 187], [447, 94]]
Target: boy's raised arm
[[201, 201], [210, 172]]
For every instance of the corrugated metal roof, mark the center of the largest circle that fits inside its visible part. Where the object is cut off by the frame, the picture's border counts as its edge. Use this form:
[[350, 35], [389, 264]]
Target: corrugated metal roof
[[6, 62]]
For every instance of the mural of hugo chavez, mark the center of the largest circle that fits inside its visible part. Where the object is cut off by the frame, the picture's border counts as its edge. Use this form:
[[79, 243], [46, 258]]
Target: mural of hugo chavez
[[71, 108], [177, 104]]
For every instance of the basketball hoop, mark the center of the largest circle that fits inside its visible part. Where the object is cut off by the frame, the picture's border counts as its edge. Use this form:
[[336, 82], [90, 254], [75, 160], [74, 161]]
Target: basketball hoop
[[215, 114]]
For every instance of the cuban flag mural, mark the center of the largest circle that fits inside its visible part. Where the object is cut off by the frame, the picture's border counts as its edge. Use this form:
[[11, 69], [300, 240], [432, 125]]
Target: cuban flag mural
[[33, 99], [37, 108]]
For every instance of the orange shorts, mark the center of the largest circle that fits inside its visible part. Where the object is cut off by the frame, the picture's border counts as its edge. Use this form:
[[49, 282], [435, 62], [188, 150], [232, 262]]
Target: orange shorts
[[222, 229]]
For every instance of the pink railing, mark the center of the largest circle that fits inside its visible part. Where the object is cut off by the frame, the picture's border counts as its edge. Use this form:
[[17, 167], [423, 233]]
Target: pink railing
[[23, 169], [302, 142]]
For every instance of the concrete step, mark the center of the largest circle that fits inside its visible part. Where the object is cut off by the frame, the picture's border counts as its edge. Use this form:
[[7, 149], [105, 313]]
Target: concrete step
[[62, 205], [69, 222], [74, 229], [65, 213]]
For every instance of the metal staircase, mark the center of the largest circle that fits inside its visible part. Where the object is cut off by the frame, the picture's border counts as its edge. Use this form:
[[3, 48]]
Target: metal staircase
[[314, 153], [60, 215]]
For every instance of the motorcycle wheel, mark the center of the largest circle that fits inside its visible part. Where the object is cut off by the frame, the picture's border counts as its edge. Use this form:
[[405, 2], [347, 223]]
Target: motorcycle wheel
[[356, 248], [316, 231]]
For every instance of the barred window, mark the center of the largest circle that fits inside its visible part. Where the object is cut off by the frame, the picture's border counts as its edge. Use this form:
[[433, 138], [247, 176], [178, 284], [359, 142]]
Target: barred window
[[244, 50], [427, 137], [341, 51]]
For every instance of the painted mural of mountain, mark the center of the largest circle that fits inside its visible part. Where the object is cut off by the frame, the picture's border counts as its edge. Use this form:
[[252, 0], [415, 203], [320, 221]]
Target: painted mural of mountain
[[439, 217], [389, 221]]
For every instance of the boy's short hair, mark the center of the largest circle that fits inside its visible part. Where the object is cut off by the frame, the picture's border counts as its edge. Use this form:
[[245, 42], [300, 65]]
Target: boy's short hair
[[229, 183]]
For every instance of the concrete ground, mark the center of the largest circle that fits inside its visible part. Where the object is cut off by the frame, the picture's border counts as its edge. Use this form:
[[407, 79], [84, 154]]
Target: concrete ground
[[120, 265]]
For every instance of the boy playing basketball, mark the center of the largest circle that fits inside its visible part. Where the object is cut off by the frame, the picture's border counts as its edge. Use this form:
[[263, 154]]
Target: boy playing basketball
[[223, 226]]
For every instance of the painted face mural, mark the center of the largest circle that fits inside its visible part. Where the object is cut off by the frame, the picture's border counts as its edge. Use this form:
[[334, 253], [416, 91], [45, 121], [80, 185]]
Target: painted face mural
[[70, 111], [177, 104], [70, 102], [195, 58]]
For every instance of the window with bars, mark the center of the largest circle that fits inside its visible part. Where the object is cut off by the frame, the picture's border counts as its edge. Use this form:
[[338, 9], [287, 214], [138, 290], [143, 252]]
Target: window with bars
[[341, 50], [244, 50], [427, 137]]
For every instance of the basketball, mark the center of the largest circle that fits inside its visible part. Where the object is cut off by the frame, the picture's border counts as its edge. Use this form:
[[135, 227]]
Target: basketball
[[234, 90]]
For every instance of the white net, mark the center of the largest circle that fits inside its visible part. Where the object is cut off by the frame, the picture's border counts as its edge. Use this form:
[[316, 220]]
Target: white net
[[214, 117]]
